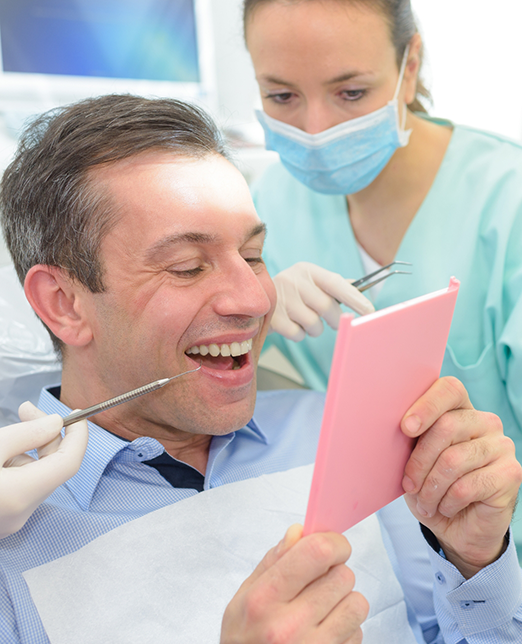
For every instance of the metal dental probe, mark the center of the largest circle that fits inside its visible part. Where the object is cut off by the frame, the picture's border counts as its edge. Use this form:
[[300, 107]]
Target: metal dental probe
[[81, 414]]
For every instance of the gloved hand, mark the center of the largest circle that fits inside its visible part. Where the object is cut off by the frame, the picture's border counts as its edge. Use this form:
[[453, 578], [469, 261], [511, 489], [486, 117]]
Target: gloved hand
[[305, 294], [26, 482]]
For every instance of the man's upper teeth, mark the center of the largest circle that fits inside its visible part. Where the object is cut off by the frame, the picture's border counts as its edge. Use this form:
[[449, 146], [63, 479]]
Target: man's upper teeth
[[234, 349]]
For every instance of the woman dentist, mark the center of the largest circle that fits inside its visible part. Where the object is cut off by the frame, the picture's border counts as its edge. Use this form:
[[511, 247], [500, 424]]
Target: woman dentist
[[366, 178]]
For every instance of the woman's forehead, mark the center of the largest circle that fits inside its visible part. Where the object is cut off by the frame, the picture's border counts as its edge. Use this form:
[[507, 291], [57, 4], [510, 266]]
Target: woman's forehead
[[317, 30]]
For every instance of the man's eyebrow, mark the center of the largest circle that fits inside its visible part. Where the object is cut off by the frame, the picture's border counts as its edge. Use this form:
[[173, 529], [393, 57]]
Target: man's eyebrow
[[168, 242], [259, 229]]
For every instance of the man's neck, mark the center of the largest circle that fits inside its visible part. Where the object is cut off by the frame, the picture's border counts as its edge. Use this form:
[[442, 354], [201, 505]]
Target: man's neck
[[127, 421], [192, 449]]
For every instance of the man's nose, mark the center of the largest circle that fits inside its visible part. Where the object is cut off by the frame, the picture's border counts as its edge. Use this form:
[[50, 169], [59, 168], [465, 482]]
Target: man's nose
[[241, 292]]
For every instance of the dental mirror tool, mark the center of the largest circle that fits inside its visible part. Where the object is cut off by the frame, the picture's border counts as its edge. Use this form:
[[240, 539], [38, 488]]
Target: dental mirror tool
[[81, 414]]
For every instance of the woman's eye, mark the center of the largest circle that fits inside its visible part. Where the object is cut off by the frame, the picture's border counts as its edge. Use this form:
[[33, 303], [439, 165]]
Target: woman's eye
[[281, 97], [353, 94]]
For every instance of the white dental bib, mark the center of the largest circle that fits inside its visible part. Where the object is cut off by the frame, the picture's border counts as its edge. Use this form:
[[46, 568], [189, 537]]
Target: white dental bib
[[169, 575]]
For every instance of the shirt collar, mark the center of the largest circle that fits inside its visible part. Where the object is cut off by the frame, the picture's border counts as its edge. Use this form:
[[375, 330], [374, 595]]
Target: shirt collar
[[101, 449], [103, 446], [253, 428]]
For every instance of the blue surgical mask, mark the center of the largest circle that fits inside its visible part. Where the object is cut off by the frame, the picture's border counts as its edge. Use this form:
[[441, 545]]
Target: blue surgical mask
[[343, 159]]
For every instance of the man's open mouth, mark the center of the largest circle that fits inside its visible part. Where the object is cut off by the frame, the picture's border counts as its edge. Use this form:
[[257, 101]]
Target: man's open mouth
[[222, 356]]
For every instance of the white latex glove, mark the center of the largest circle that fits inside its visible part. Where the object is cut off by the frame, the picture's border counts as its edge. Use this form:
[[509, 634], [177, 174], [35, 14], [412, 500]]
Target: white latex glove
[[305, 294], [24, 481]]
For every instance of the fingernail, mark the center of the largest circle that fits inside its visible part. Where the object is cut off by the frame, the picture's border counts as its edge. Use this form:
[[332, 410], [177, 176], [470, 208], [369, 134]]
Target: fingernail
[[407, 484], [279, 548], [412, 424], [422, 511], [283, 544]]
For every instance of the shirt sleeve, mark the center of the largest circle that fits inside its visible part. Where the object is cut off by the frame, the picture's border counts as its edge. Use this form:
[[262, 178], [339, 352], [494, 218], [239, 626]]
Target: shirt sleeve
[[486, 609], [8, 629]]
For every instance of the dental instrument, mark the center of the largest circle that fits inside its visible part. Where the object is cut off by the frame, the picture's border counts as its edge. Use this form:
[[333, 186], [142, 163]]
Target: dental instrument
[[361, 285], [81, 414]]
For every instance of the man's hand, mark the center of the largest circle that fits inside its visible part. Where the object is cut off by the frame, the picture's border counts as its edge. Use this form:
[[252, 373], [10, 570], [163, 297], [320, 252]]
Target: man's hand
[[300, 593], [462, 478], [26, 482]]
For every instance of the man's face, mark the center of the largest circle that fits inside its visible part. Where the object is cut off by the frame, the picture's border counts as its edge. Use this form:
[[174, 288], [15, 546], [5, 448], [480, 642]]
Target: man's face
[[183, 275]]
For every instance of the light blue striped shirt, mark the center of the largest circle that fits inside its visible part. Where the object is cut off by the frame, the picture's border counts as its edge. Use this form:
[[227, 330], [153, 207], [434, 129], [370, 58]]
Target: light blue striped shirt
[[114, 486]]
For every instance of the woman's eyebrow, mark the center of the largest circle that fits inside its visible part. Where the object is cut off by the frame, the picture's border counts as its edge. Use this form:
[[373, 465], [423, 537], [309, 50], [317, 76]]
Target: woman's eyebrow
[[344, 76], [274, 80]]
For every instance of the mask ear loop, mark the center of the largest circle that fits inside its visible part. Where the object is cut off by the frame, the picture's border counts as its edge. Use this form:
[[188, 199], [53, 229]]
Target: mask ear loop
[[399, 83]]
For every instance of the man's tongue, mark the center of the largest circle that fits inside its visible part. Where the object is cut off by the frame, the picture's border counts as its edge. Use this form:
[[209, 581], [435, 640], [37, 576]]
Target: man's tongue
[[219, 362]]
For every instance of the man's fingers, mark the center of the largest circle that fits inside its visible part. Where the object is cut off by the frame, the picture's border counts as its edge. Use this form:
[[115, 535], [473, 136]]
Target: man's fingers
[[450, 465], [292, 536], [487, 485], [300, 592], [343, 624], [331, 614], [459, 427], [318, 598], [293, 564], [28, 435], [310, 558], [444, 395]]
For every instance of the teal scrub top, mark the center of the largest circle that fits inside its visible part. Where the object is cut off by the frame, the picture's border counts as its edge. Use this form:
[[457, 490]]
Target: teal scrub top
[[469, 226]]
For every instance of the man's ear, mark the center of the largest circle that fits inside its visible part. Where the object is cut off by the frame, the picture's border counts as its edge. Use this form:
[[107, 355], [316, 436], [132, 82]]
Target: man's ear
[[56, 299]]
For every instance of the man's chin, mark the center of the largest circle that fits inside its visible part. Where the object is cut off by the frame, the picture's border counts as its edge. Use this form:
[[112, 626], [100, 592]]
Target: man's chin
[[224, 416]]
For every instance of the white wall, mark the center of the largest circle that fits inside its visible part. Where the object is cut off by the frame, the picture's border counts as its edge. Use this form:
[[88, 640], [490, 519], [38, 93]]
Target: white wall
[[236, 86], [474, 56], [236, 91]]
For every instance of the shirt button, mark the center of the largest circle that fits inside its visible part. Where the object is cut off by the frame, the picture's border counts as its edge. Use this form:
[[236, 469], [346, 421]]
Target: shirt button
[[467, 605], [440, 578]]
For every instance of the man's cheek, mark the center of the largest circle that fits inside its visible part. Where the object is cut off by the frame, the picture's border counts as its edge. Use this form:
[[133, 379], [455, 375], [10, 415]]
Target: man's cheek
[[270, 290]]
